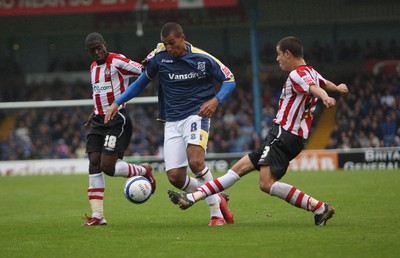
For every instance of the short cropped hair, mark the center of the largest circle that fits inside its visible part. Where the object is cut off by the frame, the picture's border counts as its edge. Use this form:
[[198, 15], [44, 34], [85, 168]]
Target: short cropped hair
[[291, 44], [171, 27], [94, 36]]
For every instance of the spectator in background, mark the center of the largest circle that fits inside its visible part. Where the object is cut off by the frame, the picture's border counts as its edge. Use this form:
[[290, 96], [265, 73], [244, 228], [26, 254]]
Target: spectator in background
[[62, 150], [363, 139], [23, 141], [389, 127], [388, 98]]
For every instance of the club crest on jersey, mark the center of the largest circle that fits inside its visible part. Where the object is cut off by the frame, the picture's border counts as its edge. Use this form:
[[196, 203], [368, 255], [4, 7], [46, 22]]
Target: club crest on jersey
[[107, 74], [201, 66], [193, 136]]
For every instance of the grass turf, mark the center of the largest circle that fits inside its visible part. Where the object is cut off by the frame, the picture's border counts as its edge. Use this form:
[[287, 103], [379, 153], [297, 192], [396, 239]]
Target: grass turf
[[40, 216]]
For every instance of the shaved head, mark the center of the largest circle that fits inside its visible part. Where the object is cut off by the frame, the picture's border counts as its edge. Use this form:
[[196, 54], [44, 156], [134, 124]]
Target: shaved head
[[171, 27], [94, 36]]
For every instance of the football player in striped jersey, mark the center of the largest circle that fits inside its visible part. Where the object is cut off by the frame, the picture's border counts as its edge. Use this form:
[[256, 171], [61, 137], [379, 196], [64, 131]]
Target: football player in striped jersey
[[106, 143], [285, 139], [187, 101]]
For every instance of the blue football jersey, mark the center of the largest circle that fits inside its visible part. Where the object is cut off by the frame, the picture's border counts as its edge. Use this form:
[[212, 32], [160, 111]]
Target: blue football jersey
[[185, 82]]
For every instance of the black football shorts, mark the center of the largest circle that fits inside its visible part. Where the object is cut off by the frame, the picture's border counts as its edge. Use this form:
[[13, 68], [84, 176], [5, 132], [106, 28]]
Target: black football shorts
[[277, 150], [113, 137]]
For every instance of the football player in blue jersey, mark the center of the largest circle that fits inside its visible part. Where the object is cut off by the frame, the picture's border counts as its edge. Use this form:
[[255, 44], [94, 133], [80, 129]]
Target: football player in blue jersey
[[187, 101]]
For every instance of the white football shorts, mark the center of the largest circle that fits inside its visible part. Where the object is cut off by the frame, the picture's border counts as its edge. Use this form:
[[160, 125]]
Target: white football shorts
[[177, 136]]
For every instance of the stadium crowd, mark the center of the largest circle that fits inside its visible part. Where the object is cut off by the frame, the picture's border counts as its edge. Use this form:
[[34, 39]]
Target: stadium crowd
[[368, 117]]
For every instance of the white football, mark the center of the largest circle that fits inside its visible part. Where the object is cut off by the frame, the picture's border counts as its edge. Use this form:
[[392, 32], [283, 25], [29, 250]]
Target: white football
[[137, 189]]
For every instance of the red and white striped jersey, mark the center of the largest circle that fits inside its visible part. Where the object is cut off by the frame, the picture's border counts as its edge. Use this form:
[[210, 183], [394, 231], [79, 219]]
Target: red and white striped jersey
[[109, 80], [296, 105]]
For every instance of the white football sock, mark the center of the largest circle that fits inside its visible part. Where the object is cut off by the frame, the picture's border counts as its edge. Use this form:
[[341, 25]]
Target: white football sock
[[213, 200], [217, 185], [294, 196], [124, 169], [96, 194], [190, 184]]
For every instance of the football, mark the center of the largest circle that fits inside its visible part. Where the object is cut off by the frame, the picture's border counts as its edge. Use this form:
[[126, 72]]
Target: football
[[137, 189]]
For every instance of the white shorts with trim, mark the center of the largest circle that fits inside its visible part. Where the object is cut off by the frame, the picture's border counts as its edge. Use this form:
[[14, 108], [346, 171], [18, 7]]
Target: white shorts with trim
[[177, 136]]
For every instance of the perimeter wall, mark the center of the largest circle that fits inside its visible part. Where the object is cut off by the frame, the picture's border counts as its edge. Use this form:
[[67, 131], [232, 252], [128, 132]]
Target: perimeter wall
[[320, 160]]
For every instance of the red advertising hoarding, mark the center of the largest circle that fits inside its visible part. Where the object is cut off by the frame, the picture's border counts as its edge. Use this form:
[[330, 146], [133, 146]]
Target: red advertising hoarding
[[40, 7]]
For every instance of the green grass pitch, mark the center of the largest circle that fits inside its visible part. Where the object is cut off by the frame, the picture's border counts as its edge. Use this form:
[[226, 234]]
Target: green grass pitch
[[40, 216]]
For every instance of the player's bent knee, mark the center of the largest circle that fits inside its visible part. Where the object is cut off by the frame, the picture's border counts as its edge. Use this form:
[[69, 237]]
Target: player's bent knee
[[176, 180], [109, 170], [265, 187], [196, 164]]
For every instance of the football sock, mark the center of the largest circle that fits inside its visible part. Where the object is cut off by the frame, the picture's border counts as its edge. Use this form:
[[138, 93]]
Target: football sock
[[190, 184], [217, 185], [295, 197], [124, 169], [316, 206], [212, 200], [96, 194], [204, 177]]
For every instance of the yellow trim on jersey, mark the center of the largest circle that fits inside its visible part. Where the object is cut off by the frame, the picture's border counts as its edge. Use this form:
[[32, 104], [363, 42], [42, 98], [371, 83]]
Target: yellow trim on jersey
[[160, 47], [200, 51], [203, 139], [148, 76]]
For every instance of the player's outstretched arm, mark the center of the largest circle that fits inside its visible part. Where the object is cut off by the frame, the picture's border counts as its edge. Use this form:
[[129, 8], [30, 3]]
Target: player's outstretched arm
[[132, 91], [341, 88], [321, 94]]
